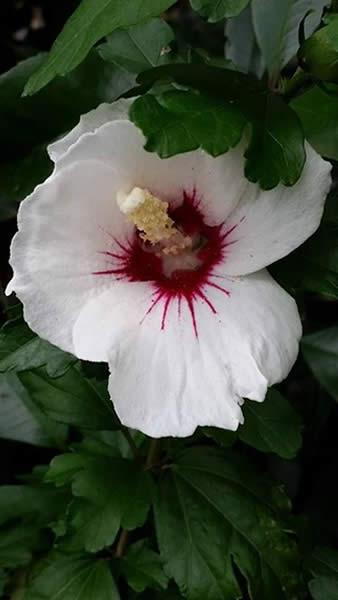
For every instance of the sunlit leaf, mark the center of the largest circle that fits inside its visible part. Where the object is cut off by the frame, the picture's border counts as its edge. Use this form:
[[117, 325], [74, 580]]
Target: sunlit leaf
[[90, 22]]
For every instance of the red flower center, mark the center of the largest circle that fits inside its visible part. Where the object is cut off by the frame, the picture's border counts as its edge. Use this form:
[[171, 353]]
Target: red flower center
[[184, 277]]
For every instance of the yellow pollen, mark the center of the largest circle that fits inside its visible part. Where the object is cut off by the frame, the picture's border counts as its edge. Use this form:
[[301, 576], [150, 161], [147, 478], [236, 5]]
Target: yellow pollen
[[150, 215]]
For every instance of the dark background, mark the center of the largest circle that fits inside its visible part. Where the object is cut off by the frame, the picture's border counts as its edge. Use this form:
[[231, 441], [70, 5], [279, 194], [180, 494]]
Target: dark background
[[30, 26]]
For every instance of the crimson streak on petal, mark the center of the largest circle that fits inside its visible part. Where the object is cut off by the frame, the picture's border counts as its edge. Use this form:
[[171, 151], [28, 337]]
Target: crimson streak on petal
[[133, 260]]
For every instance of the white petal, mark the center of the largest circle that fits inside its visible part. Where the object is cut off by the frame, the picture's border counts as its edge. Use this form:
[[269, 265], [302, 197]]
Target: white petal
[[218, 183], [269, 225], [63, 227], [166, 381], [89, 123]]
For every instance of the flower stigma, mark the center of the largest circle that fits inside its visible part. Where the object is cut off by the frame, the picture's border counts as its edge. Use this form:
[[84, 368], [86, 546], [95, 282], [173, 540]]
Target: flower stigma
[[150, 216]]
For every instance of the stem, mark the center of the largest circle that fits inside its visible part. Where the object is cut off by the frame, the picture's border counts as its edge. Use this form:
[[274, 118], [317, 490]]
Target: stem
[[154, 447], [125, 431], [122, 543], [300, 80]]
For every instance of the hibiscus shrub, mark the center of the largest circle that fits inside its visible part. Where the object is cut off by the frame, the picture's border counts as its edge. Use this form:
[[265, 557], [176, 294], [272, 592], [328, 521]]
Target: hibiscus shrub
[[169, 336]]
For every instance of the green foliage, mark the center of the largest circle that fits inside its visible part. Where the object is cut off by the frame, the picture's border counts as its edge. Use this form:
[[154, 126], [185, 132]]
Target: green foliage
[[70, 399], [223, 437], [103, 514], [3, 580], [92, 20], [314, 266], [38, 504], [276, 150], [277, 25], [142, 568], [324, 588], [178, 121], [29, 122], [21, 350], [17, 544], [320, 351], [210, 510], [69, 577], [216, 11], [324, 567], [110, 493], [318, 112], [272, 426], [22, 420], [25, 515], [324, 561], [19, 178], [269, 426], [138, 48], [319, 54]]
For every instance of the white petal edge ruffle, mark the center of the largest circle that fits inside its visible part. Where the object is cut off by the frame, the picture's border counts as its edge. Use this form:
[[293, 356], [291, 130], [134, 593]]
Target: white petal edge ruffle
[[89, 123]]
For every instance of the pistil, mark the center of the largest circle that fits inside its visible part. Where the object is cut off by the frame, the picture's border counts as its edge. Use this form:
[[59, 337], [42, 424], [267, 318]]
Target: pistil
[[150, 216]]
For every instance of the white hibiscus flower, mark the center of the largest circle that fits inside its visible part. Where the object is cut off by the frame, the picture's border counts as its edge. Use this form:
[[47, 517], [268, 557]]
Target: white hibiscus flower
[[158, 267]]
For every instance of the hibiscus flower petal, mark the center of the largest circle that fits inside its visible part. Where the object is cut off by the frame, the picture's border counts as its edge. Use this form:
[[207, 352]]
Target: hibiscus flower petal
[[62, 231], [176, 365], [88, 124], [268, 225], [219, 183]]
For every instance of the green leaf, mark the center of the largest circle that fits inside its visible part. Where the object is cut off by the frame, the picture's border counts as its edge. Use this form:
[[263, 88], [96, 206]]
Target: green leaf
[[142, 568], [25, 513], [320, 351], [227, 84], [324, 561], [276, 150], [90, 22], [211, 510], [22, 420], [28, 122], [223, 437], [324, 588], [216, 11], [277, 24], [178, 121], [19, 178], [70, 399], [323, 564], [137, 48], [21, 350], [319, 54], [272, 426], [71, 577], [241, 46], [314, 266], [17, 545], [318, 112], [38, 504], [3, 581], [111, 493]]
